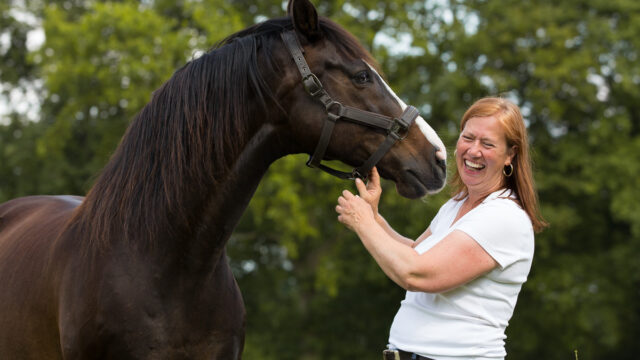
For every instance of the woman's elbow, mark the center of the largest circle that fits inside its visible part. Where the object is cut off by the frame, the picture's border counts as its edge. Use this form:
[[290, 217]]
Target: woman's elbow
[[427, 284], [418, 276]]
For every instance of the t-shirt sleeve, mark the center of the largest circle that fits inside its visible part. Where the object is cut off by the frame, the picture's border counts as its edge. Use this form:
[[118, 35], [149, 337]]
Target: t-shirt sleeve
[[503, 230]]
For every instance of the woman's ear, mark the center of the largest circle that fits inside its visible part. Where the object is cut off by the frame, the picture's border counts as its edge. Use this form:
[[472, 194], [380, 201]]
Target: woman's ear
[[305, 18]]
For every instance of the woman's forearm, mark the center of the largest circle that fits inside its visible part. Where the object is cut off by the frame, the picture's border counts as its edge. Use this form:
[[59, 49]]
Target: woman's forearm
[[391, 253], [391, 232]]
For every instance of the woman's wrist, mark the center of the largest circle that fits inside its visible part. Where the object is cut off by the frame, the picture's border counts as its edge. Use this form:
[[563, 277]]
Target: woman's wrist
[[379, 219], [367, 227]]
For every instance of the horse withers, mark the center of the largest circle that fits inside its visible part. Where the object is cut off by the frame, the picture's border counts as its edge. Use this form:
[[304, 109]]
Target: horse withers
[[137, 268]]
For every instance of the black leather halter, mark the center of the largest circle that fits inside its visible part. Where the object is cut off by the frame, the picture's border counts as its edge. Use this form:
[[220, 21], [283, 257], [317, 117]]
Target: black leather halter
[[396, 128]]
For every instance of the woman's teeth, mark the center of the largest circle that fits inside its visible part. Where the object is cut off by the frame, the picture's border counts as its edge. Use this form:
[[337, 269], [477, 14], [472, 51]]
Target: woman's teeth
[[473, 165]]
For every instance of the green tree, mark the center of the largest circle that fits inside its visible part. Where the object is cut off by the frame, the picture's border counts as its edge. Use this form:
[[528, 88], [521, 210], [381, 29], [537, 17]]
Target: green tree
[[97, 82], [310, 288]]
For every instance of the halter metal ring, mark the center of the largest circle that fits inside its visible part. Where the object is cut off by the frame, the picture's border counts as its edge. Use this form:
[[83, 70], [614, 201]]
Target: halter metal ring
[[355, 174], [337, 113]]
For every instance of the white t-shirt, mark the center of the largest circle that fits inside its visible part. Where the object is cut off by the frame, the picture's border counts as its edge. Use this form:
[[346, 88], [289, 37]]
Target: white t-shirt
[[469, 321]]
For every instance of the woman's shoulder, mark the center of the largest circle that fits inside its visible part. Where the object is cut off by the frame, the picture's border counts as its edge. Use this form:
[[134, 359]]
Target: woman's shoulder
[[504, 206], [504, 198], [497, 218]]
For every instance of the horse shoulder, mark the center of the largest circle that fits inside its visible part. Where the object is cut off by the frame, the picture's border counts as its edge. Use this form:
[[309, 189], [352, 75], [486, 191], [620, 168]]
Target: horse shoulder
[[29, 227]]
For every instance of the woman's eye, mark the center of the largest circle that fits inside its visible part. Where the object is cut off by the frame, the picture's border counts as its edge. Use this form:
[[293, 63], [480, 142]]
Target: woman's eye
[[362, 77]]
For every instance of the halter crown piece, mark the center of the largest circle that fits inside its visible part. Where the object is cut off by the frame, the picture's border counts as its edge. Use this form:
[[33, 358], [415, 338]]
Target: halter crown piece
[[396, 128]]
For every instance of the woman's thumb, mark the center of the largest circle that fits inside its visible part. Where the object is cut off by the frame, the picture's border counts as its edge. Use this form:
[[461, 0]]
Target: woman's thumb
[[362, 188]]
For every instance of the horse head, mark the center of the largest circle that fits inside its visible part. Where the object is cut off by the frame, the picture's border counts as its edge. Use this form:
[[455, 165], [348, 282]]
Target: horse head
[[335, 89]]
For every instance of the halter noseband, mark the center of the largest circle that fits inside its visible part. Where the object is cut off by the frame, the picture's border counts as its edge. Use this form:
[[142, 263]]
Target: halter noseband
[[396, 128]]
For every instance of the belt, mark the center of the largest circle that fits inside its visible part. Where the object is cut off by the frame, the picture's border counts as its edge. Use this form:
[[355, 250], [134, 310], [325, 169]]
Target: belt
[[402, 355]]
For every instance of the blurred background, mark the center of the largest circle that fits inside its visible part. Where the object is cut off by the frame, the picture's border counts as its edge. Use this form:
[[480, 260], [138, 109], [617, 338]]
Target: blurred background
[[74, 73]]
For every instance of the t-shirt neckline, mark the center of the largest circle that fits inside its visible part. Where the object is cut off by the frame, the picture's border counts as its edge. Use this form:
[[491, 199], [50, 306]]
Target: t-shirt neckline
[[508, 194]]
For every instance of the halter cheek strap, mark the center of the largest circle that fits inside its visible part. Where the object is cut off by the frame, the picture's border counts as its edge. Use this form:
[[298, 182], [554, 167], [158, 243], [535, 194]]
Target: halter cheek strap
[[396, 128]]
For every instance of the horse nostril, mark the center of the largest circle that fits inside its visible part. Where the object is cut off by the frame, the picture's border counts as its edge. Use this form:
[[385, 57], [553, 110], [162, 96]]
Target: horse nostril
[[441, 154], [441, 158]]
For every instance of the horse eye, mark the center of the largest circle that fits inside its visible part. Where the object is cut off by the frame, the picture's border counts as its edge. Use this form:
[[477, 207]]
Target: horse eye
[[362, 77]]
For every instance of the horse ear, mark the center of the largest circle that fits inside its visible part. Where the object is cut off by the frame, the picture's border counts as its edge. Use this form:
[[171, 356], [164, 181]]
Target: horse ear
[[305, 18]]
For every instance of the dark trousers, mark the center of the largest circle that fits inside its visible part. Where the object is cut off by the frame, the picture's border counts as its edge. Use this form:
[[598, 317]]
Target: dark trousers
[[401, 355]]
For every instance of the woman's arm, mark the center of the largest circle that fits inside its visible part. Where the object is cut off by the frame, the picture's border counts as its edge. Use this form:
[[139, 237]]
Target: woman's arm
[[399, 237], [455, 260], [392, 233]]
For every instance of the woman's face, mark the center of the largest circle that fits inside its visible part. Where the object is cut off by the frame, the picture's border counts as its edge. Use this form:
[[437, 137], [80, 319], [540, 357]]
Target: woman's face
[[481, 154]]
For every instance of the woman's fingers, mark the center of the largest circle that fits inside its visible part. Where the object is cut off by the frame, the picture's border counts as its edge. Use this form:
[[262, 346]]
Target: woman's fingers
[[374, 178], [340, 209], [362, 188], [342, 201], [347, 194]]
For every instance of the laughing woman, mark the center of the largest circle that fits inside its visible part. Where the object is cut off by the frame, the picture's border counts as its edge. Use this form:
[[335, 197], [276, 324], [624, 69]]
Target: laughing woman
[[464, 273]]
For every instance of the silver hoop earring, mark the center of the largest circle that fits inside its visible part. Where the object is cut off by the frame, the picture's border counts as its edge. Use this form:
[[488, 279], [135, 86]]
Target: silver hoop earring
[[504, 170]]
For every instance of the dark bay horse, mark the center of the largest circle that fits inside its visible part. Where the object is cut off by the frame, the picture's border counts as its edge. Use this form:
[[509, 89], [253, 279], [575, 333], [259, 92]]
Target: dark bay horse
[[137, 269]]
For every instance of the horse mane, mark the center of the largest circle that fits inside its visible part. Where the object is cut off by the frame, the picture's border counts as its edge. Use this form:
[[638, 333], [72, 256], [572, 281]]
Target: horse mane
[[182, 144]]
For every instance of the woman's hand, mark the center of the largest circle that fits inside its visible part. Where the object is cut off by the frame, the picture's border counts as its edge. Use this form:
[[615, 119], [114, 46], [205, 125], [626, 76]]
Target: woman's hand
[[353, 211], [372, 191]]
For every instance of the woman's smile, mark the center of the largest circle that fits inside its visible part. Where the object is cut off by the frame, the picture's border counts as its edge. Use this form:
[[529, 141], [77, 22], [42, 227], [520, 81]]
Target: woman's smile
[[474, 166]]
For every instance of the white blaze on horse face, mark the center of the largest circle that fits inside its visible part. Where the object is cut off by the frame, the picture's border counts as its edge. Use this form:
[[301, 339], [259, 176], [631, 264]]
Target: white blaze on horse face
[[427, 130]]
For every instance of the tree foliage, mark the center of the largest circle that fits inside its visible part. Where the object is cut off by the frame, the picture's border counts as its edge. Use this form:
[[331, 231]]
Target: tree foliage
[[310, 288]]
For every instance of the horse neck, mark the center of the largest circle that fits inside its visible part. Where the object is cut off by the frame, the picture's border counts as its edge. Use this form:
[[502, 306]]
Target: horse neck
[[188, 217], [226, 203], [191, 161]]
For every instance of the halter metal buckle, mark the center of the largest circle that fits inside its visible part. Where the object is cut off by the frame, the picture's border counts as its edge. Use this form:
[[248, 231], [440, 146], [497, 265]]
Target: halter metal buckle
[[312, 85], [396, 128]]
